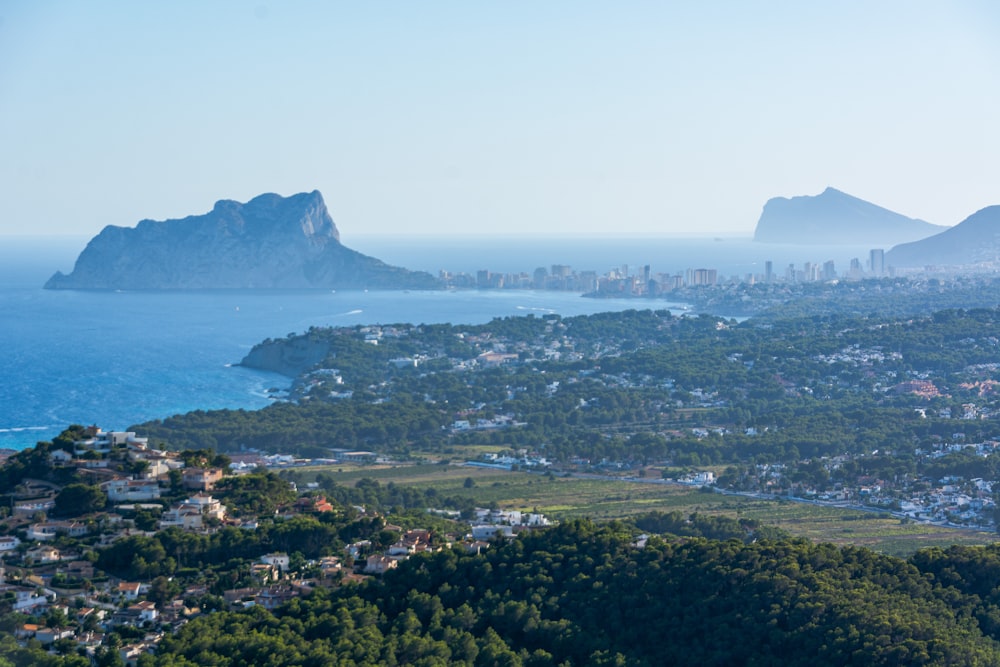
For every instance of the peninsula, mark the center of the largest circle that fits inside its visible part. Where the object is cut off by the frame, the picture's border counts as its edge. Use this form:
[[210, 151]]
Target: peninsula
[[836, 218], [270, 242]]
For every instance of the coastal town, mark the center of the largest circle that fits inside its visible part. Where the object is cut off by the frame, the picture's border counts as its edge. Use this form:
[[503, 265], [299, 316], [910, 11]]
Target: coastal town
[[110, 545], [51, 574], [641, 281]]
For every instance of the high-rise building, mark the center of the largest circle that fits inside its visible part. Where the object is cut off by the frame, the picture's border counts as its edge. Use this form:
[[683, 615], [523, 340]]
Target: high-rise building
[[876, 262], [562, 270], [829, 273], [768, 271], [703, 277]]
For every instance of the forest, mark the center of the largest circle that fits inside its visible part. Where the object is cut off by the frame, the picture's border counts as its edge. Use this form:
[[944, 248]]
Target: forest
[[637, 386], [590, 594]]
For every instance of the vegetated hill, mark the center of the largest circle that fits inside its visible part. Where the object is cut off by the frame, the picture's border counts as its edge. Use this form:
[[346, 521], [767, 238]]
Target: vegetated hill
[[270, 242], [582, 594], [836, 218], [975, 240]]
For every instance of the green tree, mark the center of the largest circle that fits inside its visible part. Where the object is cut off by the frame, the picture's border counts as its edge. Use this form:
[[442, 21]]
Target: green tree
[[77, 499]]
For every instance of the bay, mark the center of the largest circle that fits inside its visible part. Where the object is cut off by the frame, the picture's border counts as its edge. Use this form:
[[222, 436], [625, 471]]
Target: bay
[[120, 358]]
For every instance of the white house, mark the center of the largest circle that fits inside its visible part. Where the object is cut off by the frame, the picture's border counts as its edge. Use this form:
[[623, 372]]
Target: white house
[[278, 560], [44, 554], [191, 513], [27, 599], [488, 532], [131, 490], [51, 529]]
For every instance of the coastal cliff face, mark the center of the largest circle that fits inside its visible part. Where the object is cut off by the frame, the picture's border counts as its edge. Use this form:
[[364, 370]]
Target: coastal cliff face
[[836, 218], [290, 357], [270, 242]]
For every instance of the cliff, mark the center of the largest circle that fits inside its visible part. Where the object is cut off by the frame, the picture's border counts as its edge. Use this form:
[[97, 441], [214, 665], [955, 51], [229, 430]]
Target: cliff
[[836, 218], [975, 240], [291, 356], [270, 242]]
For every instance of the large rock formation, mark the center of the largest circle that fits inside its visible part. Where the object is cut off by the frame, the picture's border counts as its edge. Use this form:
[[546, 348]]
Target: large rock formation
[[975, 240], [836, 218], [288, 356], [270, 242]]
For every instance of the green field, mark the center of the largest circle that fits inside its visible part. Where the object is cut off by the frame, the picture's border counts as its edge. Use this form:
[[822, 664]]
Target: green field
[[568, 497]]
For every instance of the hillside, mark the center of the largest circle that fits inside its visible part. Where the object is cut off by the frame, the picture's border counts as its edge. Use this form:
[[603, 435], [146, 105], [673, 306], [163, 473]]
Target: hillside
[[975, 240], [270, 242]]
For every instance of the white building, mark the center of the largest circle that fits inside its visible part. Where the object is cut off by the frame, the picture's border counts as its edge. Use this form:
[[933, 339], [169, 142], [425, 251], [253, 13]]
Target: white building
[[131, 490], [489, 531], [192, 513], [278, 560]]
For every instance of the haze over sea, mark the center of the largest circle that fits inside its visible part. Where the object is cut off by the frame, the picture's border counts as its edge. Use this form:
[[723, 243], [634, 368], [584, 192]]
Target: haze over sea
[[120, 358]]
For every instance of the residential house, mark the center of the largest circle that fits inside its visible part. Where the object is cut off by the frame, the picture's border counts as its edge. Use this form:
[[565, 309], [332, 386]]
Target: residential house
[[78, 569], [330, 567], [28, 509], [9, 543], [131, 590], [49, 530], [201, 479], [60, 457], [379, 564], [131, 653], [272, 597], [26, 600], [315, 504], [191, 513], [50, 635], [488, 532], [355, 549], [412, 541], [278, 560], [264, 573], [145, 610], [44, 554], [131, 490], [239, 596]]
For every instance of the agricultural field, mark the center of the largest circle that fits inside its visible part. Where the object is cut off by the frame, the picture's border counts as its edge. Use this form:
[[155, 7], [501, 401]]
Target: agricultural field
[[602, 498]]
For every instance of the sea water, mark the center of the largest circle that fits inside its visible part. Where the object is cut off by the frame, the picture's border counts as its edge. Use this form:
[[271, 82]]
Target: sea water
[[120, 358]]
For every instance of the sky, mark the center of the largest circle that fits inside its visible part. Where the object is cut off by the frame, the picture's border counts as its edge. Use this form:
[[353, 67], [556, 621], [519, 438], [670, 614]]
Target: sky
[[495, 118]]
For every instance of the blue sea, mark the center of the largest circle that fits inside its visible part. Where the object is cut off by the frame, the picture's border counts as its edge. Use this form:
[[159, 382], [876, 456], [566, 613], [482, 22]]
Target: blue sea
[[120, 358]]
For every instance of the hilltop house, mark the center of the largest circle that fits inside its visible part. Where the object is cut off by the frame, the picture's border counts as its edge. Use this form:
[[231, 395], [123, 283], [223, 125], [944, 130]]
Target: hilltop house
[[131, 490], [51, 529], [192, 513], [201, 479]]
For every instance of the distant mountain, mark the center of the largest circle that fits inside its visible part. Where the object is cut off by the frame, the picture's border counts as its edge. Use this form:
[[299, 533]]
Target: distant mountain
[[270, 242], [975, 240], [836, 218]]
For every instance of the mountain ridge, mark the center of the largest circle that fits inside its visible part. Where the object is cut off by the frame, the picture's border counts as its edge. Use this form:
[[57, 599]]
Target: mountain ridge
[[835, 217], [975, 240], [269, 242]]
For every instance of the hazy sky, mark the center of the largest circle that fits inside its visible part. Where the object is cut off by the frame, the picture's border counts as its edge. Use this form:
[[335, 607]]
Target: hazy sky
[[552, 118]]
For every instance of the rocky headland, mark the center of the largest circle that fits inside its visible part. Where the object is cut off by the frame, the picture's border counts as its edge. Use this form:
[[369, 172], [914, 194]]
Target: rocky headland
[[290, 357], [270, 242], [836, 218]]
